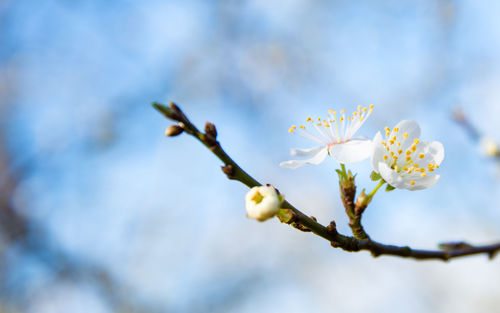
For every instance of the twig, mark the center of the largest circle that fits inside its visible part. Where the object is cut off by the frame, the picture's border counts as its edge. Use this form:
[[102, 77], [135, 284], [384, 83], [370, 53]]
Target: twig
[[291, 215]]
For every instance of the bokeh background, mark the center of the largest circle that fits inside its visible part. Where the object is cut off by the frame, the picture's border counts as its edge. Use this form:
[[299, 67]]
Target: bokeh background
[[99, 212]]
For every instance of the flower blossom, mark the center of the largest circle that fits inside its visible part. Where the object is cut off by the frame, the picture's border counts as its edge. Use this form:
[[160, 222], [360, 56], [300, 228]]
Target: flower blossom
[[335, 136], [489, 146], [262, 203], [404, 161]]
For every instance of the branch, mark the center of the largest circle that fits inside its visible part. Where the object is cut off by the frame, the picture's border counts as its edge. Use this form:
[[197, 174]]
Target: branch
[[291, 215]]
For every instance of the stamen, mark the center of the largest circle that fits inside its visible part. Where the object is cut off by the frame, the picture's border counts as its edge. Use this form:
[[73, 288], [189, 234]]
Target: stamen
[[412, 182]]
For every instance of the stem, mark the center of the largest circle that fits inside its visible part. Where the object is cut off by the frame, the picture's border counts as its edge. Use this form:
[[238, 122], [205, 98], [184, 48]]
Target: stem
[[351, 244], [374, 191]]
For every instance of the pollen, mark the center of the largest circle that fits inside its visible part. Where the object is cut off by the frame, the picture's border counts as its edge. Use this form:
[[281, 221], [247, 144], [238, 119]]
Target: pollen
[[342, 111], [412, 182], [416, 141], [302, 127], [408, 152], [421, 155], [396, 129], [308, 119], [423, 175], [385, 157], [292, 129], [371, 106], [359, 108], [408, 158], [330, 111], [405, 135], [387, 129], [400, 151]]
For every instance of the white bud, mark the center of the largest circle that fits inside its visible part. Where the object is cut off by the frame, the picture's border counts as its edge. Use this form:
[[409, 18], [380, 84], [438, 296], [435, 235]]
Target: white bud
[[262, 203], [489, 146]]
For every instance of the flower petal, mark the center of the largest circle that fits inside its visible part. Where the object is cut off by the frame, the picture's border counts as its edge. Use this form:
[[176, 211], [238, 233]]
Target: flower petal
[[316, 159], [378, 151], [306, 152], [422, 182], [411, 128], [354, 150], [391, 176]]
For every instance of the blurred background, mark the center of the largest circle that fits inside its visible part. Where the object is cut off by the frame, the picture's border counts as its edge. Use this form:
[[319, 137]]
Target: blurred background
[[99, 212]]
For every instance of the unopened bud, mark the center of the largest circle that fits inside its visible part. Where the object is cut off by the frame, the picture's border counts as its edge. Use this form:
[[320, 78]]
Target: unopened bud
[[173, 130], [210, 130], [262, 203], [489, 146]]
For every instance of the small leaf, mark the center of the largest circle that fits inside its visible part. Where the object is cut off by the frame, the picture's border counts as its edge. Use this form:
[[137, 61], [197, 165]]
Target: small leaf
[[389, 188], [375, 176]]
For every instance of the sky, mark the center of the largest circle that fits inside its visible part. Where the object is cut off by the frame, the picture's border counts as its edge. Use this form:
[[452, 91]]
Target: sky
[[100, 178]]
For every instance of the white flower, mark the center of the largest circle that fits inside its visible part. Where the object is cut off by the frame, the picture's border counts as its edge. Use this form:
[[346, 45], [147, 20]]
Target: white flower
[[489, 146], [335, 136], [262, 203], [403, 160]]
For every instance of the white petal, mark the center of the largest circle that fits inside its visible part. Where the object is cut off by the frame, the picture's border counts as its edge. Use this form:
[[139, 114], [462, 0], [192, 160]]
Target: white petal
[[378, 151], [316, 159], [354, 150], [411, 127], [422, 183], [405, 126], [391, 176], [306, 152]]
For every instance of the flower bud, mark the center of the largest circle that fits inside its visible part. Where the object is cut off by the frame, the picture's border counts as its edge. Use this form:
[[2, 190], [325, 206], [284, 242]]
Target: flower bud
[[489, 146], [173, 130], [262, 203]]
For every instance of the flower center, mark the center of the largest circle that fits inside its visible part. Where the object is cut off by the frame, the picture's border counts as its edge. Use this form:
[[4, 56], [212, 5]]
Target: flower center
[[257, 198], [405, 163]]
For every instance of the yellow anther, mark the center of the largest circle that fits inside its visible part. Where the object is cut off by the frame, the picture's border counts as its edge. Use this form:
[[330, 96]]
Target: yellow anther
[[412, 182], [326, 124], [396, 129], [413, 148], [319, 124], [416, 165], [361, 119], [364, 109], [391, 142], [421, 155], [399, 144], [385, 157], [404, 168], [371, 106], [400, 151], [416, 141], [408, 152], [384, 144], [410, 170], [355, 113], [330, 111], [359, 108], [396, 168], [387, 129], [308, 119], [408, 158], [405, 135], [387, 148], [394, 138], [319, 119], [291, 129], [431, 170], [392, 154], [395, 157], [422, 170], [302, 127], [341, 119], [387, 134], [342, 111], [423, 175]]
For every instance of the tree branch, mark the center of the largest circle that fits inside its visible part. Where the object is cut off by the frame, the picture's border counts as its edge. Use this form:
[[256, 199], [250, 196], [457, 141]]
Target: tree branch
[[291, 215]]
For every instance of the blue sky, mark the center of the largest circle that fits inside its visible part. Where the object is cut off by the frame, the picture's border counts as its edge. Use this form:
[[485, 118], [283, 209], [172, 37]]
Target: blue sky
[[158, 214]]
